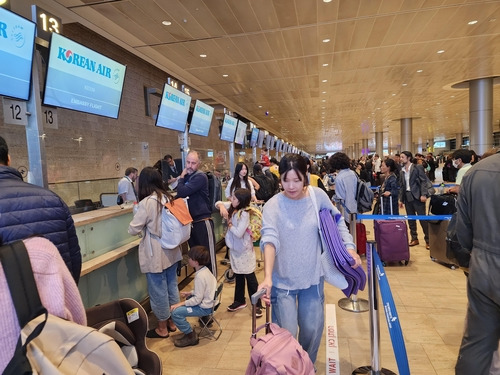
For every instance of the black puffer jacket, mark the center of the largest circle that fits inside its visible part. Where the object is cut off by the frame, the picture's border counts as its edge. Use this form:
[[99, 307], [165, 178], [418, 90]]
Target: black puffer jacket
[[27, 210]]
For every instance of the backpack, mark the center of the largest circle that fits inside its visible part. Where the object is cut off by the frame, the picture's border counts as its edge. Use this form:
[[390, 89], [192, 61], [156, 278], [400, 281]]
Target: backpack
[[49, 345], [364, 196], [276, 180], [255, 226], [278, 352], [175, 223], [214, 190], [266, 190]]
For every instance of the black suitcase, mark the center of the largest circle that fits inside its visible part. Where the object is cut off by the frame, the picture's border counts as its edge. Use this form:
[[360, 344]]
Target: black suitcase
[[437, 242]]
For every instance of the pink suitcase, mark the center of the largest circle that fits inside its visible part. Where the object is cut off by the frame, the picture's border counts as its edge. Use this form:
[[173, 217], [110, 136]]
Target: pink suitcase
[[392, 240]]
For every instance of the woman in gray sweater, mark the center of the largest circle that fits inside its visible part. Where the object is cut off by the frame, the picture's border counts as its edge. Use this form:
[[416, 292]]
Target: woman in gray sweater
[[292, 247]]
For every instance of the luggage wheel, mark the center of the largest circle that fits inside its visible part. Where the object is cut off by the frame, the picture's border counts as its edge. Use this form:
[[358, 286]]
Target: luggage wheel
[[406, 262], [229, 275]]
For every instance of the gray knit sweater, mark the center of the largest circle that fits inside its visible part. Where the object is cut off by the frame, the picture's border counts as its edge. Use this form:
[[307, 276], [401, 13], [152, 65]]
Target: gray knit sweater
[[292, 227]]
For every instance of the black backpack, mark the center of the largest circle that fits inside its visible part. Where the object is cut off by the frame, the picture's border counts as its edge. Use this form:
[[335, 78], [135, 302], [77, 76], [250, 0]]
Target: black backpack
[[266, 190], [364, 196], [214, 190]]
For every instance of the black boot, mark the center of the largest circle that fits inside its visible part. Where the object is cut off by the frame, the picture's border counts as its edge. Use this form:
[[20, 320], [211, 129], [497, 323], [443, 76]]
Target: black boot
[[189, 339]]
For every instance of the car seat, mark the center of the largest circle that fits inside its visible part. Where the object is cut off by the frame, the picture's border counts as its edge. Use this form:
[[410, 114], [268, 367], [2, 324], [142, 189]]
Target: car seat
[[127, 322]]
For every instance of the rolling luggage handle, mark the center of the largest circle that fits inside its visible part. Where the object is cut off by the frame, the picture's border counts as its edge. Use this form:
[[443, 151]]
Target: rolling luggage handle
[[254, 299]]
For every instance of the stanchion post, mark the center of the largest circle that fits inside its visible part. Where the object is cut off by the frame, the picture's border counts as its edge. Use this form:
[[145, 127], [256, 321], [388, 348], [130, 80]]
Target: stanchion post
[[375, 368], [353, 303]]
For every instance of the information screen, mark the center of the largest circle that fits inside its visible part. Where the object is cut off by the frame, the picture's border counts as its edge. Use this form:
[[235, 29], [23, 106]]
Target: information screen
[[81, 79], [201, 120], [228, 128], [17, 42], [174, 109], [241, 132]]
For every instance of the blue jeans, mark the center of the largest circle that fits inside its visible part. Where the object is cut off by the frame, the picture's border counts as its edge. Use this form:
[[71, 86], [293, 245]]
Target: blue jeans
[[163, 291], [301, 310], [179, 316]]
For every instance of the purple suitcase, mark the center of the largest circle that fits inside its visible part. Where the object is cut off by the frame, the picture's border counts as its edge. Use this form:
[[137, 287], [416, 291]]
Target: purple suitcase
[[392, 240]]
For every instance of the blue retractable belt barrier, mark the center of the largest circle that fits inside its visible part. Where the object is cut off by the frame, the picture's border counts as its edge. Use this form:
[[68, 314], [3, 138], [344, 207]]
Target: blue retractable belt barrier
[[404, 217], [391, 316]]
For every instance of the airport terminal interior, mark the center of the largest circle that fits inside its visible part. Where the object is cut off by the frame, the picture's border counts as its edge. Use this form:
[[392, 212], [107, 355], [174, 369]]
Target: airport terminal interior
[[305, 76]]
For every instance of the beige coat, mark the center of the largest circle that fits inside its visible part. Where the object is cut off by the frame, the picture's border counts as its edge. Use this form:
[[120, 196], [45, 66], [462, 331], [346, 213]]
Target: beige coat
[[152, 257]]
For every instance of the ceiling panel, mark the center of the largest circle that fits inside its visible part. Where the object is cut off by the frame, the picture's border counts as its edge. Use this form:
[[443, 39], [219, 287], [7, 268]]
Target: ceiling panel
[[273, 54]]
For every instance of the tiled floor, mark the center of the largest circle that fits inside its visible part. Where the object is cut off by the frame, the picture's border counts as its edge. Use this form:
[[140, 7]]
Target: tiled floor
[[430, 299]]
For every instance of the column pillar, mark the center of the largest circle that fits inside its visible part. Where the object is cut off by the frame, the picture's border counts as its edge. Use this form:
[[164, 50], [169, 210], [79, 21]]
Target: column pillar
[[406, 134], [364, 147], [459, 141], [481, 114], [379, 144], [357, 154]]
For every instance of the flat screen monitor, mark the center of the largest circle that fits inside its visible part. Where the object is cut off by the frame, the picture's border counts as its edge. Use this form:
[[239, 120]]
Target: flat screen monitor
[[174, 109], [253, 137], [260, 140], [278, 145], [81, 79], [270, 141], [241, 132], [201, 120], [228, 128], [17, 43]]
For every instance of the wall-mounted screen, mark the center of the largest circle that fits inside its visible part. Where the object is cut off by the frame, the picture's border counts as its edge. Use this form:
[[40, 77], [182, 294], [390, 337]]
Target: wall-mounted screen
[[81, 79], [228, 128], [17, 42], [201, 120], [270, 141], [174, 109], [254, 137], [260, 140], [241, 132]]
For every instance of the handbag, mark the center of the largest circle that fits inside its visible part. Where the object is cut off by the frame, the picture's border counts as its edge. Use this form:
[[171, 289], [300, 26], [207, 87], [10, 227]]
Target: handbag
[[331, 273]]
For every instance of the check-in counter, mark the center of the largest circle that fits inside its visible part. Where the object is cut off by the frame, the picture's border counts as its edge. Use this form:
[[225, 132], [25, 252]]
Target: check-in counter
[[110, 267]]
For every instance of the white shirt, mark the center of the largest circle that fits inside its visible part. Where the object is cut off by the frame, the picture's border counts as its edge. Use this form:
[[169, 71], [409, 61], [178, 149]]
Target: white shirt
[[243, 185], [125, 186]]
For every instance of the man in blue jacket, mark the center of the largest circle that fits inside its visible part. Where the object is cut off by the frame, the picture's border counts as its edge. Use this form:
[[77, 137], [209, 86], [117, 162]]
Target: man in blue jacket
[[193, 183], [27, 210]]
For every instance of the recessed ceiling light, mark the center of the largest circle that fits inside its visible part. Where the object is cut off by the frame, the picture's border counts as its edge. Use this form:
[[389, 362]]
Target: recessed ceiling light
[[225, 75], [393, 94], [419, 71], [260, 106], [324, 100], [323, 92], [203, 55], [472, 22], [325, 80], [452, 96], [440, 51], [166, 23], [327, 1], [326, 40], [405, 84], [325, 64]]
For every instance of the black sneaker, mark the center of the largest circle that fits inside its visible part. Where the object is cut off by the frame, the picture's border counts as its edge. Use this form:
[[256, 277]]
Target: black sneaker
[[258, 312], [235, 306]]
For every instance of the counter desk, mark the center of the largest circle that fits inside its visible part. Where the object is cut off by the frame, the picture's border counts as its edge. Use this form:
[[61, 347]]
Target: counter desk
[[110, 267]]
